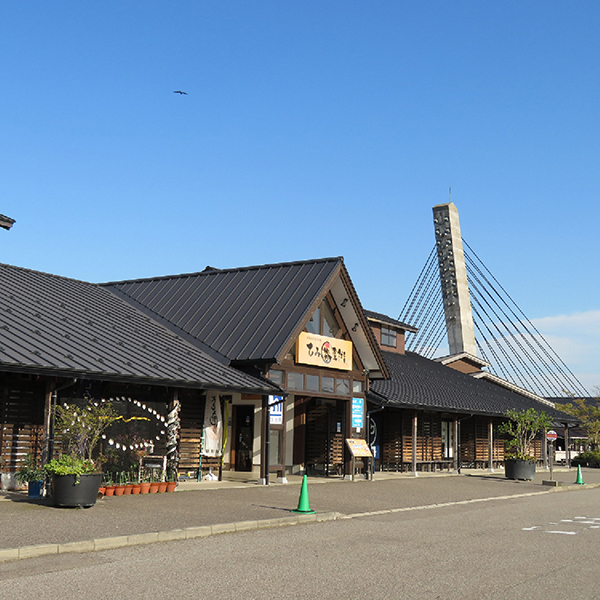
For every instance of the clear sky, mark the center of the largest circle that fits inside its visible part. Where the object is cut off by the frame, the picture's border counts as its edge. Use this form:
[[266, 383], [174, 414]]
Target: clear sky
[[310, 129]]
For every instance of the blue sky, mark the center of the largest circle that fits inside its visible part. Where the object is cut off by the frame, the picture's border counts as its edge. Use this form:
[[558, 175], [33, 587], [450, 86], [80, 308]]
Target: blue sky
[[310, 129]]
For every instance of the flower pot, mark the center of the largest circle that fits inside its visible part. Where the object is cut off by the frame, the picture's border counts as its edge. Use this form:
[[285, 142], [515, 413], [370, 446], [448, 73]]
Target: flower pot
[[128, 489], [519, 469], [136, 488], [34, 489], [162, 487], [109, 490], [67, 491], [145, 487], [154, 487], [102, 490], [119, 490], [171, 485]]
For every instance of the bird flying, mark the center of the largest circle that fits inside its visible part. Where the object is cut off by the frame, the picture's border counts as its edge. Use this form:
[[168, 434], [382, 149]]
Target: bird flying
[[180, 92]]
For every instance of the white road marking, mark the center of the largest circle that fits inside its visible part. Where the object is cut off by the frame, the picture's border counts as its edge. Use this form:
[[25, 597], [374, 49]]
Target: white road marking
[[563, 532], [530, 528]]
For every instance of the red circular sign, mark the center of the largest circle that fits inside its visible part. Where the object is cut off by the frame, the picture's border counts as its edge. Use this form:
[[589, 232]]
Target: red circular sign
[[551, 435]]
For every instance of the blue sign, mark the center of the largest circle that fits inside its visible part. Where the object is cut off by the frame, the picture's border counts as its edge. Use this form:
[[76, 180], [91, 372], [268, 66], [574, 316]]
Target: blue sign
[[357, 412], [276, 410]]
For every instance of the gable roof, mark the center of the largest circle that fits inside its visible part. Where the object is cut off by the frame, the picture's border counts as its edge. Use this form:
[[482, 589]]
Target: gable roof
[[51, 325], [420, 383], [381, 318], [250, 313]]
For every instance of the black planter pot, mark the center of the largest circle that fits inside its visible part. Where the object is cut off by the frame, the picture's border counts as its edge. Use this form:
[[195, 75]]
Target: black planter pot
[[519, 469], [67, 493]]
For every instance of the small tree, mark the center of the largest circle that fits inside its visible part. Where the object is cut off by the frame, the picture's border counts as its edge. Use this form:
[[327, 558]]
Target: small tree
[[521, 429], [589, 415], [82, 427]]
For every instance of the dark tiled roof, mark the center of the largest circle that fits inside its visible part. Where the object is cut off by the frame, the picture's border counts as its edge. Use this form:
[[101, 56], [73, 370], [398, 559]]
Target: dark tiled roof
[[245, 314], [385, 319], [60, 326], [418, 382]]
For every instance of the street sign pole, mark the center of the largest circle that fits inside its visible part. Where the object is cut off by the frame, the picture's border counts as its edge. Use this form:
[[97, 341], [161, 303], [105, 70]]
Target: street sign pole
[[551, 438]]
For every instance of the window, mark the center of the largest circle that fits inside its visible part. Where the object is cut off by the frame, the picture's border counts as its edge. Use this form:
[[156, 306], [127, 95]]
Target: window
[[330, 326], [276, 377], [388, 336], [447, 439], [323, 321], [295, 381], [312, 383], [342, 387], [314, 324], [357, 387], [327, 384]]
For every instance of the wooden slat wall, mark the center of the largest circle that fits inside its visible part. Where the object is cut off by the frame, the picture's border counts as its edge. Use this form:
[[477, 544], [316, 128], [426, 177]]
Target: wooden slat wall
[[391, 445], [407, 440], [482, 440], [429, 440], [498, 450], [192, 421], [21, 422]]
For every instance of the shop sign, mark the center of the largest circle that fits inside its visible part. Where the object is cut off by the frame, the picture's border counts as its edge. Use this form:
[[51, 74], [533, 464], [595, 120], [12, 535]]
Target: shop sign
[[358, 448], [357, 412], [276, 410], [323, 351]]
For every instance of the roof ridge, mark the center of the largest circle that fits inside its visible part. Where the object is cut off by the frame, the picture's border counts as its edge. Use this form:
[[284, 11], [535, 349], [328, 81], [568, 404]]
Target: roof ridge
[[213, 270], [54, 275]]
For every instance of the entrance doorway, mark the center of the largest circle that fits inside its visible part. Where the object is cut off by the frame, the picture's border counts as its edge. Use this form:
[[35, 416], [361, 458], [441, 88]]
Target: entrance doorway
[[244, 437], [325, 432]]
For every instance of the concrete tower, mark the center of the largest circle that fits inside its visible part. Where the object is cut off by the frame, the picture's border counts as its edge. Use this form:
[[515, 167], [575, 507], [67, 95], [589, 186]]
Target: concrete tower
[[453, 276]]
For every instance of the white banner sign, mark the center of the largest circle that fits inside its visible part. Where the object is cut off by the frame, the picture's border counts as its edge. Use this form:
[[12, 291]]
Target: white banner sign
[[213, 427]]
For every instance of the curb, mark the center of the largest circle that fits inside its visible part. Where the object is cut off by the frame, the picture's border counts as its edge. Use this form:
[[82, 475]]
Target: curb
[[138, 539]]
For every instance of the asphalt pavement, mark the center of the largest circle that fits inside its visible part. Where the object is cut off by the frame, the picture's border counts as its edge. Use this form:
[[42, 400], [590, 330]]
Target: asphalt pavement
[[31, 527]]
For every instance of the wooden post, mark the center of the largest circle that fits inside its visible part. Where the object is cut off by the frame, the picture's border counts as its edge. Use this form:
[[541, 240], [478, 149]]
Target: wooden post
[[490, 446], [544, 443], [264, 442], [47, 422], [567, 446], [455, 445], [414, 444]]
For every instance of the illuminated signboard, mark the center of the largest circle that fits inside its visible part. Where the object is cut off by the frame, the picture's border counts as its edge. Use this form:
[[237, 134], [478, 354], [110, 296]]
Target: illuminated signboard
[[323, 351]]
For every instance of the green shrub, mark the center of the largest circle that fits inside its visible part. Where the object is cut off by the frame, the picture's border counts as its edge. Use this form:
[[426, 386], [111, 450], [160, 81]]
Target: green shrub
[[591, 458], [70, 465]]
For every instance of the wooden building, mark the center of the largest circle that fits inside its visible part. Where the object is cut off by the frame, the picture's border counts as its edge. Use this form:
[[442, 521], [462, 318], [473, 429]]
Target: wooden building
[[284, 356], [299, 324], [443, 413], [63, 340]]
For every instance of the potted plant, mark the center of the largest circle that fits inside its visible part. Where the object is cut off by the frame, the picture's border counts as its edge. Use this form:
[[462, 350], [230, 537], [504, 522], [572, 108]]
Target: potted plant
[[109, 486], [171, 480], [145, 484], [135, 482], [75, 476], [521, 428], [31, 474]]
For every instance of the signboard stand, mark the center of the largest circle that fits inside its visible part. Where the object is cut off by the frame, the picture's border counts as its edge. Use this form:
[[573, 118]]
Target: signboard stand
[[359, 449]]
